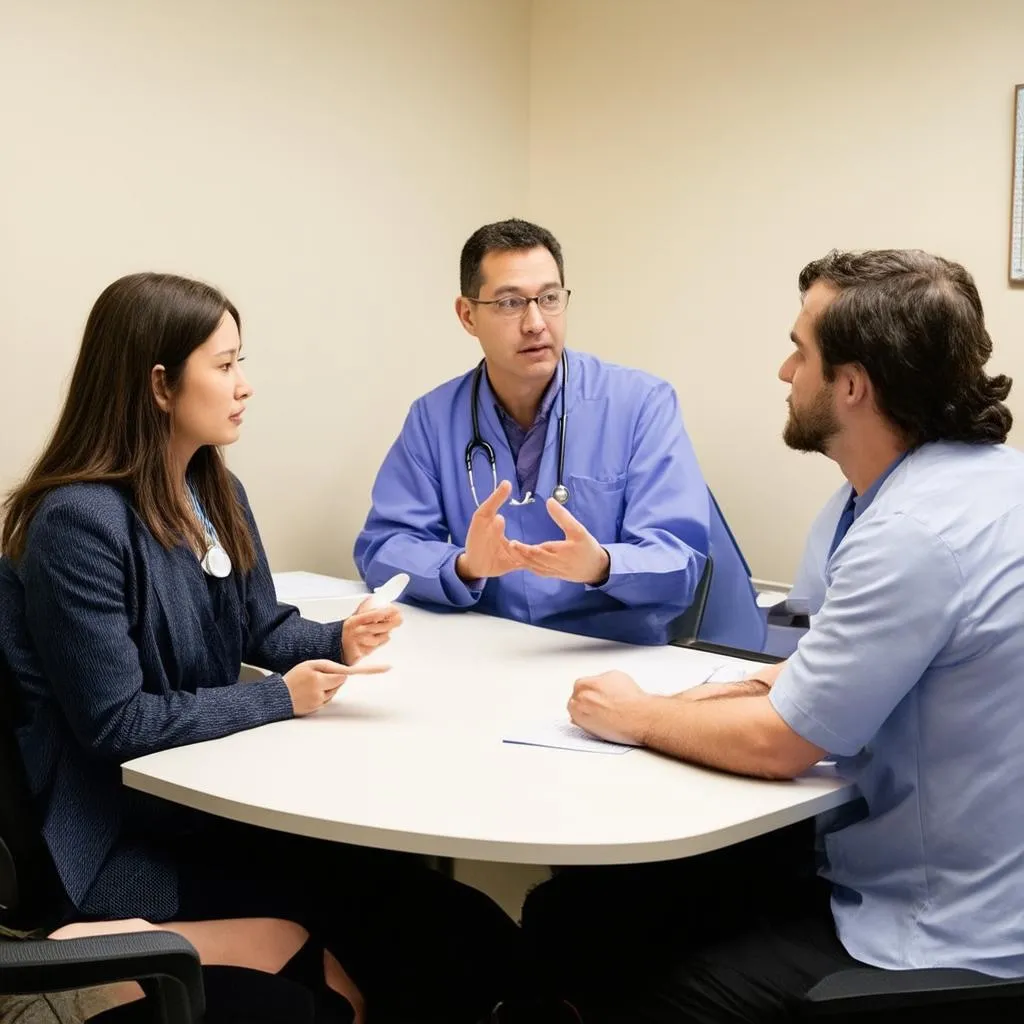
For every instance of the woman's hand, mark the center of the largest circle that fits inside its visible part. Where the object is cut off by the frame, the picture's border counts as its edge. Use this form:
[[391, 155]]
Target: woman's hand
[[366, 630], [312, 684]]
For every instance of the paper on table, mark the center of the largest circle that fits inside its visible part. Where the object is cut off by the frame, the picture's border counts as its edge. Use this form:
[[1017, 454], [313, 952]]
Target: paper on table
[[734, 671], [563, 735]]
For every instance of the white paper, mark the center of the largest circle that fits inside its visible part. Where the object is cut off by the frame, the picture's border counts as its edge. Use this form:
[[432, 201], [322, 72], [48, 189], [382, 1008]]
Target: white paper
[[734, 671], [563, 735], [293, 587]]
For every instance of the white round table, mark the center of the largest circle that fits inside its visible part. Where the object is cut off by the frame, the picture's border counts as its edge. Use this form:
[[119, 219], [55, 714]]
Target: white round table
[[415, 760]]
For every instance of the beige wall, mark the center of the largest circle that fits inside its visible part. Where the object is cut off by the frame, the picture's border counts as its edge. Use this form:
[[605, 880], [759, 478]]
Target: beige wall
[[321, 160], [692, 156]]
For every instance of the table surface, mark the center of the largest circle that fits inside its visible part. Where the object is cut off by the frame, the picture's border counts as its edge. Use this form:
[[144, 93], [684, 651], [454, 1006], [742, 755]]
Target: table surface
[[414, 760]]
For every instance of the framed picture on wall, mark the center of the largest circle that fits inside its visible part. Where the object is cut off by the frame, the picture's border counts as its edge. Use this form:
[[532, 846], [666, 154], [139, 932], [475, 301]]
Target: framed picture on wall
[[1017, 214]]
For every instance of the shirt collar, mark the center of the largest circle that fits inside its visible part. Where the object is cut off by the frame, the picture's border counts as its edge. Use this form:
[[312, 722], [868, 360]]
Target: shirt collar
[[861, 502], [546, 402]]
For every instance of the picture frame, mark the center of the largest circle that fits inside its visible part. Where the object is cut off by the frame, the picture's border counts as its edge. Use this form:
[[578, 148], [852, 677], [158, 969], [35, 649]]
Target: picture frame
[[1017, 203]]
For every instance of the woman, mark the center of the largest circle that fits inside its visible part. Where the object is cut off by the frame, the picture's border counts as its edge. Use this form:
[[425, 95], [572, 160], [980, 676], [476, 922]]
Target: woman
[[134, 584]]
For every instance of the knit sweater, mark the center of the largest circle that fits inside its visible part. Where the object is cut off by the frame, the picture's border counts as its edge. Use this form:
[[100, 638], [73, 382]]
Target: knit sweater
[[119, 648]]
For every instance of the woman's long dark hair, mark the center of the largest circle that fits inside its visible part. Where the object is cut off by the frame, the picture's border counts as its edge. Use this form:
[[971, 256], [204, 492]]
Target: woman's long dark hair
[[111, 429]]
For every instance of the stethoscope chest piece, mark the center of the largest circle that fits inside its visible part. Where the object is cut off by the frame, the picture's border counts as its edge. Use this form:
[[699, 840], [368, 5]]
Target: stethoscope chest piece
[[216, 562], [560, 494]]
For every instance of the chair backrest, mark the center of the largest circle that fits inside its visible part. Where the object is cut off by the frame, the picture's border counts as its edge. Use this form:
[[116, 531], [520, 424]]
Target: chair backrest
[[30, 892], [732, 616], [686, 628]]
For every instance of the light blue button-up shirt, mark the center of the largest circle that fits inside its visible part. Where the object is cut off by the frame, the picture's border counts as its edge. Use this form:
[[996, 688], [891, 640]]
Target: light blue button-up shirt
[[912, 674]]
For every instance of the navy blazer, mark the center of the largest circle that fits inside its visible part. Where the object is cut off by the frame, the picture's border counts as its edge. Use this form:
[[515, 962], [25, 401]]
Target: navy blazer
[[120, 648]]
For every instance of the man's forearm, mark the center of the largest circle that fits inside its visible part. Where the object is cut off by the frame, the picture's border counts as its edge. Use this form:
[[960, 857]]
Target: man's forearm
[[716, 691], [740, 732]]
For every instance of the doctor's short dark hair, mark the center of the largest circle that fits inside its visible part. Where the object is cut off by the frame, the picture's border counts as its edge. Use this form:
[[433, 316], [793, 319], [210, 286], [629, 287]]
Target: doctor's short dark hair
[[513, 235], [914, 322]]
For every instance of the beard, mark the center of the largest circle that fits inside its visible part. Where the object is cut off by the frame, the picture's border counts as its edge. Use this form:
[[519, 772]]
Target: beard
[[811, 429]]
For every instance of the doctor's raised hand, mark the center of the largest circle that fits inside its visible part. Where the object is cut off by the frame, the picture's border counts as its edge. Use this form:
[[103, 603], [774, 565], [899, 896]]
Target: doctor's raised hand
[[488, 552], [577, 559]]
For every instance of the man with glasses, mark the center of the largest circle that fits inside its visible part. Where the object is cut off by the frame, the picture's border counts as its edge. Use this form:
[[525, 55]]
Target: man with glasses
[[546, 485]]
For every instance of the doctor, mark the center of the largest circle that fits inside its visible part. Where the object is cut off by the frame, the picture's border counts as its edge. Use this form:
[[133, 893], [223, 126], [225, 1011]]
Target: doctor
[[549, 486]]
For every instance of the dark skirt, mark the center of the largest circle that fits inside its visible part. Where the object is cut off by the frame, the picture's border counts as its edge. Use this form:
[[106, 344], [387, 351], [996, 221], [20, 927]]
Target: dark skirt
[[420, 946]]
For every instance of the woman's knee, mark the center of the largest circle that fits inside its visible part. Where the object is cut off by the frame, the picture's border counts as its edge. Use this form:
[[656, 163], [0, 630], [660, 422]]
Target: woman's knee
[[88, 929], [260, 943], [281, 939]]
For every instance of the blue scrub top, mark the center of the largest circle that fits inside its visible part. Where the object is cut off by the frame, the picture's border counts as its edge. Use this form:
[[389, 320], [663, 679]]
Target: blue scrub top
[[633, 482]]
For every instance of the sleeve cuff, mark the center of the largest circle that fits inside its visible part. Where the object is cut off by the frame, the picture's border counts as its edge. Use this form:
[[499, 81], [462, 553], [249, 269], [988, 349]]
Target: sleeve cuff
[[461, 595], [330, 643], [274, 697], [610, 578]]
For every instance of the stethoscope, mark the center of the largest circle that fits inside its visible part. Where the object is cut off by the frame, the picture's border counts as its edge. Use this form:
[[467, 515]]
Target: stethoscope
[[215, 561], [477, 443]]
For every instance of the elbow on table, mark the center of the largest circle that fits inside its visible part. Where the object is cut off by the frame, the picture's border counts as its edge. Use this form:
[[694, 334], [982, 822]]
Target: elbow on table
[[774, 750], [112, 741], [784, 761], [112, 751]]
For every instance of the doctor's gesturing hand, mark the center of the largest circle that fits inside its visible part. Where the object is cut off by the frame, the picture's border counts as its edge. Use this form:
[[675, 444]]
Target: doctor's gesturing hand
[[578, 559], [488, 551]]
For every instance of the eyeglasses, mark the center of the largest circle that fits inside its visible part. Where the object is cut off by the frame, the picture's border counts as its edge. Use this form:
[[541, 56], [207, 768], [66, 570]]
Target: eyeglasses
[[549, 303]]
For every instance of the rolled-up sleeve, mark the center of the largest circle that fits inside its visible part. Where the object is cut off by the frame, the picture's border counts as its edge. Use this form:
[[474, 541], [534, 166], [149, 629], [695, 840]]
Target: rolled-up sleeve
[[893, 602]]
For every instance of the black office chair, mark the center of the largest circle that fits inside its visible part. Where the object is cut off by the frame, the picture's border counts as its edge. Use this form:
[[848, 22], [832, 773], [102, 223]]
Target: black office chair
[[685, 629], [165, 965], [907, 997], [914, 997], [785, 622]]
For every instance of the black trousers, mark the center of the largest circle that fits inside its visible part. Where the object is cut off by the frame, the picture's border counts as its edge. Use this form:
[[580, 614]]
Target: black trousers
[[422, 948], [738, 935]]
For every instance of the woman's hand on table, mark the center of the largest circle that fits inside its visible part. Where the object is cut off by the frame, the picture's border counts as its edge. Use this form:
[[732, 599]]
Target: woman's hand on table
[[312, 684]]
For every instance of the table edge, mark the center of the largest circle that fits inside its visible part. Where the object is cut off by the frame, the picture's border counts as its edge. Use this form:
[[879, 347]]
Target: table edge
[[499, 851]]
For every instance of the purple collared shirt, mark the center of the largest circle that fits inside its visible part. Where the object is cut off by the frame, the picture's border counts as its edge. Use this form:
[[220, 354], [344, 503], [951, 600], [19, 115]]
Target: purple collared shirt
[[527, 446]]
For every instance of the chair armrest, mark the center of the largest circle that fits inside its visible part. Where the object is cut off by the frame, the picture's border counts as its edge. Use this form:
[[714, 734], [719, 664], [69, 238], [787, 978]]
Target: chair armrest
[[789, 613], [729, 652], [866, 990], [165, 964]]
